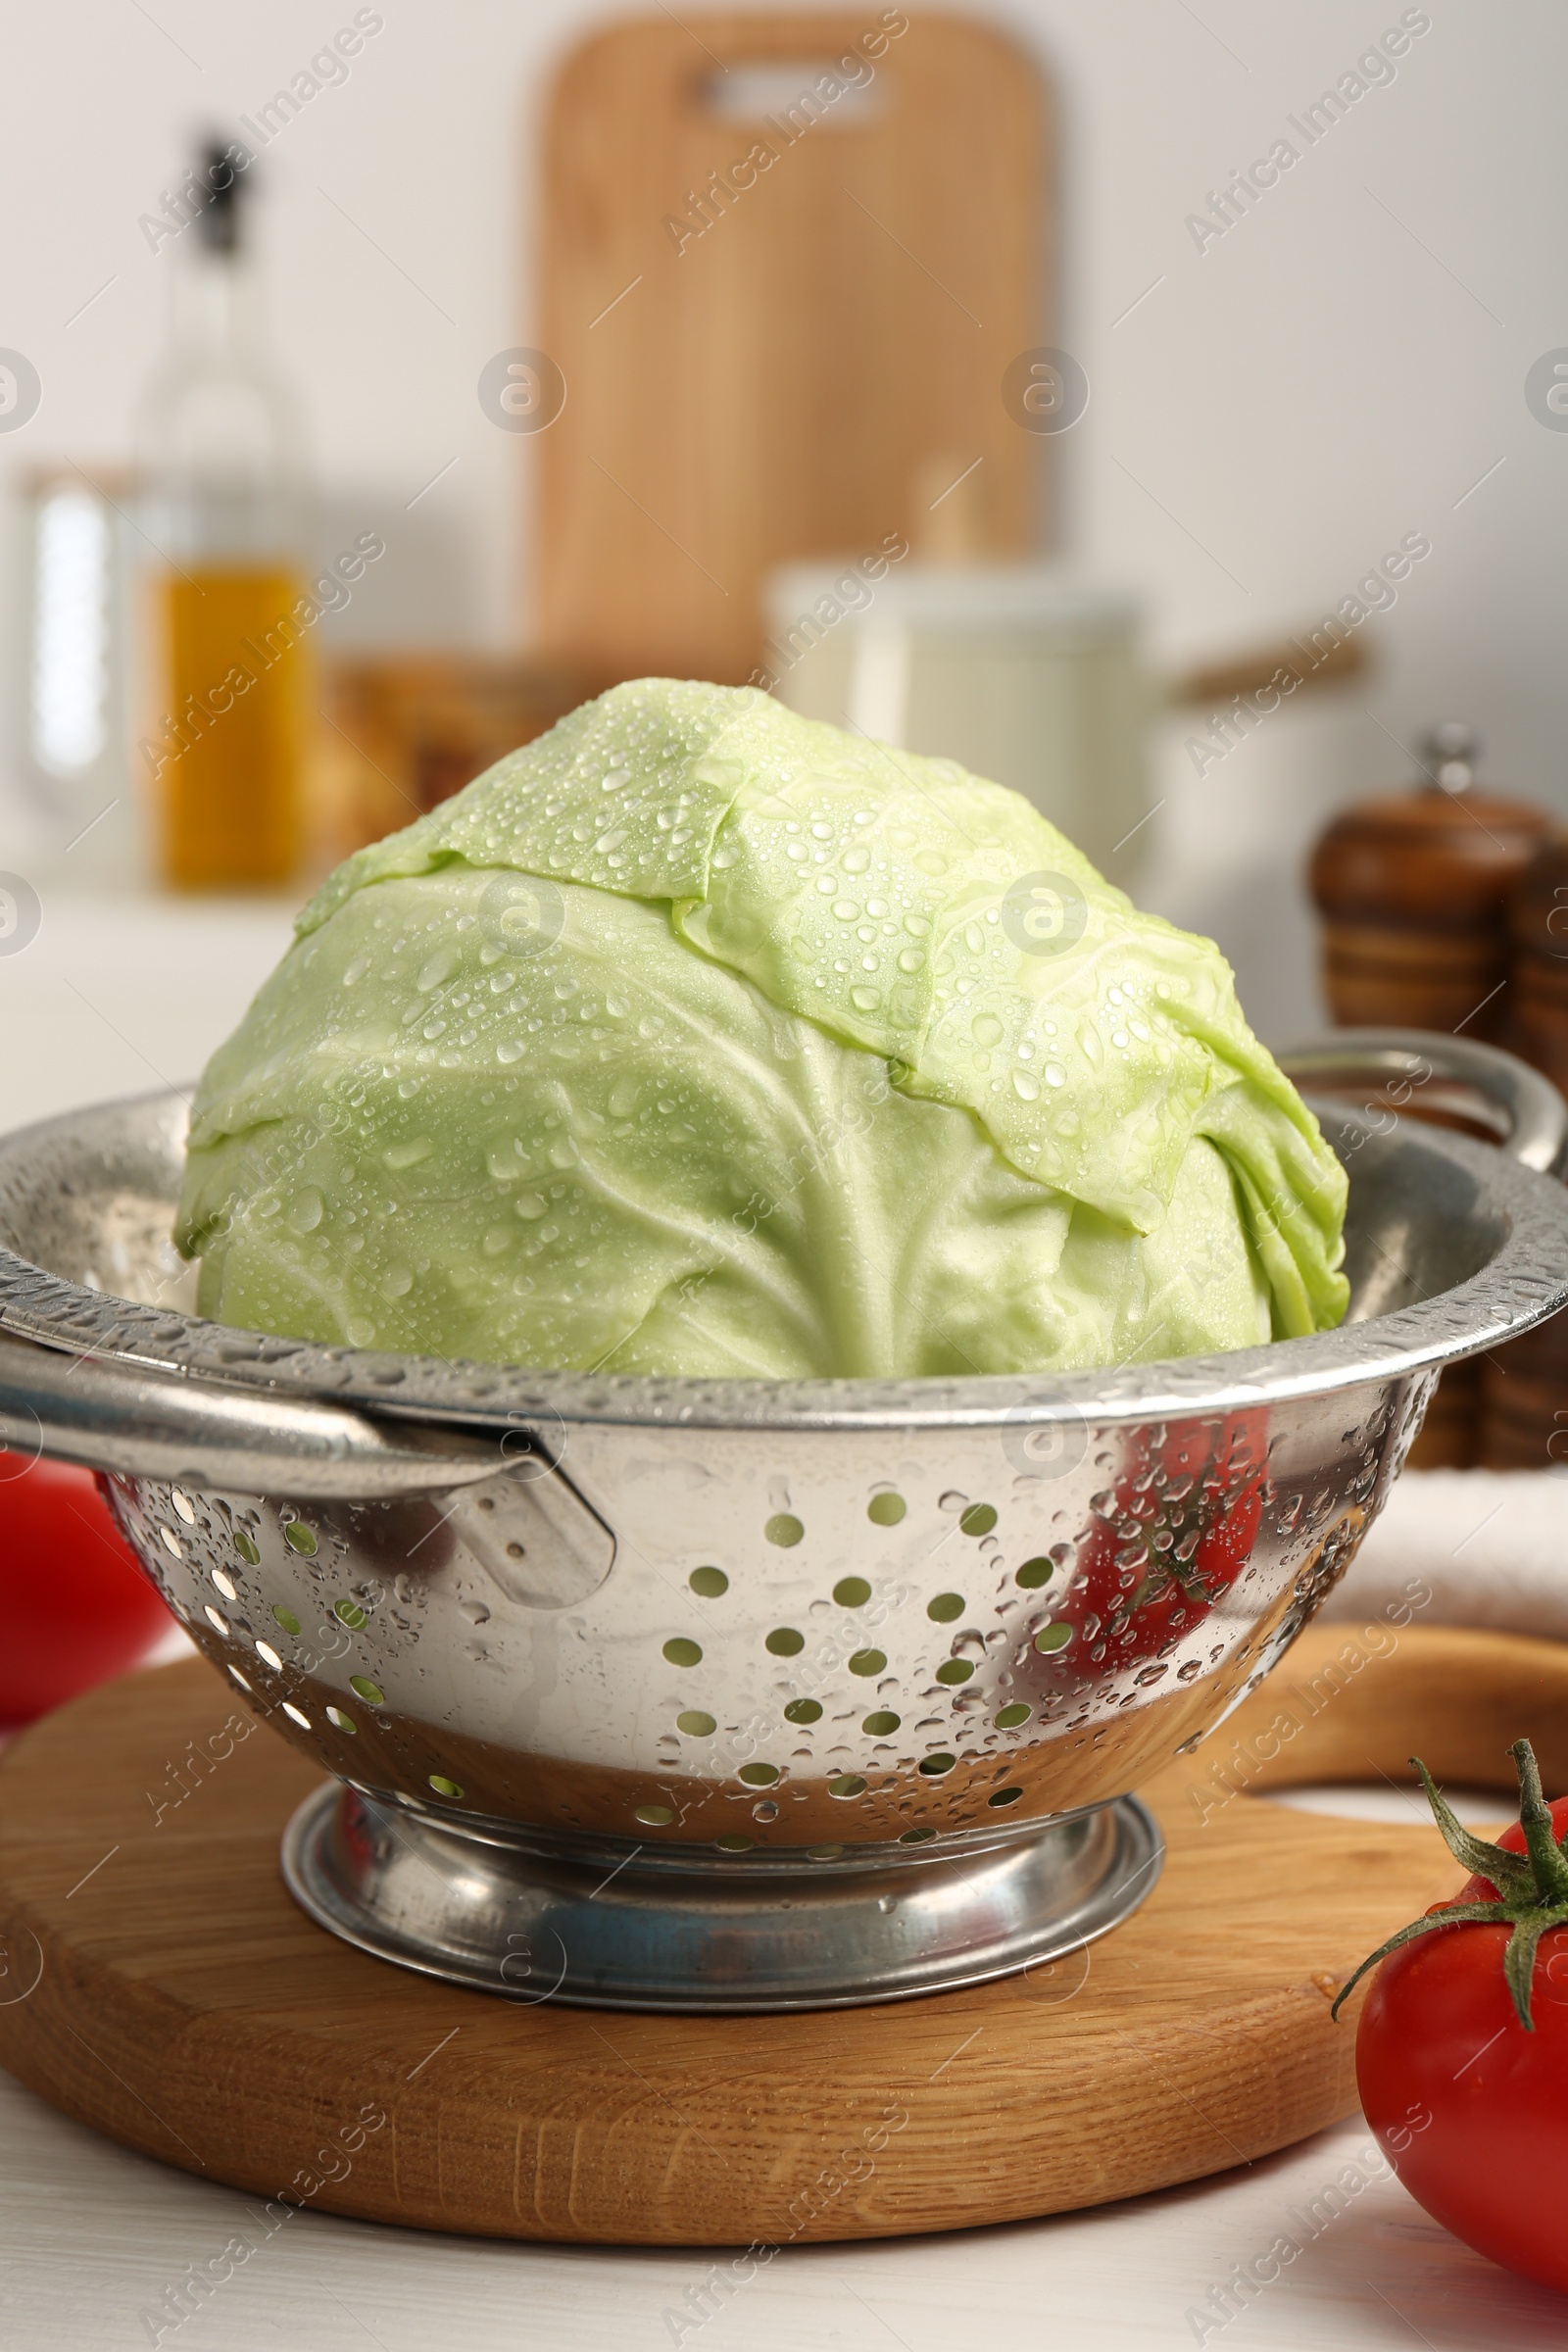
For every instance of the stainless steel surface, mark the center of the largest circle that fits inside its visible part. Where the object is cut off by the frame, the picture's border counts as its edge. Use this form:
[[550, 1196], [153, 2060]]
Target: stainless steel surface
[[712, 1618], [1511, 1102], [116, 1417], [619, 1926]]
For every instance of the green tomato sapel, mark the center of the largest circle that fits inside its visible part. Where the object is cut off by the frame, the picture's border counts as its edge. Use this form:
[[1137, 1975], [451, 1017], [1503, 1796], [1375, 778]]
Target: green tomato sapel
[[699, 1038]]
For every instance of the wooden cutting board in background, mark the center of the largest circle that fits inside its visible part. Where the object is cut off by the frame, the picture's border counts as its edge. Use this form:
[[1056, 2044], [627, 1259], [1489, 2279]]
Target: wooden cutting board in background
[[812, 371]]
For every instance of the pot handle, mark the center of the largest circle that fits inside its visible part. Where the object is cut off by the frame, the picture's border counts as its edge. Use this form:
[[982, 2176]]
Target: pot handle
[[111, 1415], [1520, 1110]]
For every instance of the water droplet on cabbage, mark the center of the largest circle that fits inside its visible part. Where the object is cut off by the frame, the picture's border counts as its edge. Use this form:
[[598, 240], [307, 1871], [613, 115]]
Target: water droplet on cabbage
[[305, 1209], [436, 968]]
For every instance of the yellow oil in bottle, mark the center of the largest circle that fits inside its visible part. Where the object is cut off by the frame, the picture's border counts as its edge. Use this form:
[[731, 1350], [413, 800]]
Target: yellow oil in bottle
[[228, 758]]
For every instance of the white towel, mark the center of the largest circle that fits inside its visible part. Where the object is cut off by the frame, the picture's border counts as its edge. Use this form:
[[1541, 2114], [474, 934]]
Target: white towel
[[1493, 1545]]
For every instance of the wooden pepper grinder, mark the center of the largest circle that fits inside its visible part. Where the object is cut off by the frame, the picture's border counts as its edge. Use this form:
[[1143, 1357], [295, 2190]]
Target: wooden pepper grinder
[[1538, 920], [1524, 1387], [1414, 891]]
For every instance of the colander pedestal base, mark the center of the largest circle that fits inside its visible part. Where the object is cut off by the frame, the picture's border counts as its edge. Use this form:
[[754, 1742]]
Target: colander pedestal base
[[160, 1986], [638, 1928]]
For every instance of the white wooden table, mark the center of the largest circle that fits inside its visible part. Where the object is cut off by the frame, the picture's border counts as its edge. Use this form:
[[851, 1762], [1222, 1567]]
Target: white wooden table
[[117, 995], [91, 2237]]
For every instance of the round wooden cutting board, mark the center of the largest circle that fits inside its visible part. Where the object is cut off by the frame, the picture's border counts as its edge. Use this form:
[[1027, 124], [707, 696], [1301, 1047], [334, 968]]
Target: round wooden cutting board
[[158, 1983]]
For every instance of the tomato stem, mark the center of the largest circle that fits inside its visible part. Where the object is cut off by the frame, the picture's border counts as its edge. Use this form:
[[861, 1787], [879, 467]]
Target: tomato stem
[[1532, 1888], [1534, 1818]]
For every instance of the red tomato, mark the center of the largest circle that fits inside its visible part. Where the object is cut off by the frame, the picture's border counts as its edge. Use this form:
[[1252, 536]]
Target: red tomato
[[1470, 2107], [1184, 1519], [75, 1604], [1512, 1840]]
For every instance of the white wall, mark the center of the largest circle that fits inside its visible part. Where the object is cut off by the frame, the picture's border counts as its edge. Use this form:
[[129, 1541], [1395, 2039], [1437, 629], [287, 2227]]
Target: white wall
[[1281, 409]]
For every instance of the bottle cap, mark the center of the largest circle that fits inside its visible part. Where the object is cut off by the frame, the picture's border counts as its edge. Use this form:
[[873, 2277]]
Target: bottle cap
[[219, 220]]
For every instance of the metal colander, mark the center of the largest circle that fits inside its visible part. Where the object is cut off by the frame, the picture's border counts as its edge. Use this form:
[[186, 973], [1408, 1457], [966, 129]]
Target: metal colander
[[750, 1695]]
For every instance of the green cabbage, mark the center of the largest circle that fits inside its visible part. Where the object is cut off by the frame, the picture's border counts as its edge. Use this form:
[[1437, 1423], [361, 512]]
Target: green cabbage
[[698, 1037]]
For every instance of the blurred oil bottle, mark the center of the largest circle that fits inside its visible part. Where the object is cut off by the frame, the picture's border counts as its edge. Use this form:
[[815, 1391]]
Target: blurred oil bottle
[[224, 743]]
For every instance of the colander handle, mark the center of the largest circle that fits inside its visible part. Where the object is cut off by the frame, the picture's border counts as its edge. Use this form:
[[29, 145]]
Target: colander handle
[[1403, 1068], [111, 1415]]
